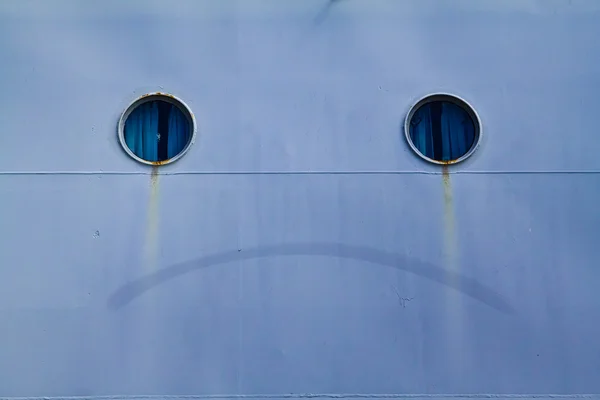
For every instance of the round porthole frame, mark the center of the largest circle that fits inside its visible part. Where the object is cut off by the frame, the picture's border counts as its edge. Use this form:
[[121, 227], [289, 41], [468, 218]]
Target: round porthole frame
[[451, 98], [168, 98]]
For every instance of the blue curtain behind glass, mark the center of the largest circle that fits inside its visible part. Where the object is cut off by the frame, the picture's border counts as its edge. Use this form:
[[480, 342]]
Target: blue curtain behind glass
[[152, 127], [178, 132], [141, 131], [442, 131]]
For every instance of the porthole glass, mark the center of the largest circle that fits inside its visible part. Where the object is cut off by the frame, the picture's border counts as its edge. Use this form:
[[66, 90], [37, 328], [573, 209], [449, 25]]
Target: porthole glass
[[157, 129], [443, 129]]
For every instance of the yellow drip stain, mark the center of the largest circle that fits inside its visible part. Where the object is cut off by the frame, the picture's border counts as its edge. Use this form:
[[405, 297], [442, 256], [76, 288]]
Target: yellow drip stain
[[450, 245], [454, 306], [146, 319], [151, 244]]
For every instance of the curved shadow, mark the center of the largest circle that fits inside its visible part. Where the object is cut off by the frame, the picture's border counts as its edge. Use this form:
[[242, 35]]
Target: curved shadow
[[324, 11], [468, 286]]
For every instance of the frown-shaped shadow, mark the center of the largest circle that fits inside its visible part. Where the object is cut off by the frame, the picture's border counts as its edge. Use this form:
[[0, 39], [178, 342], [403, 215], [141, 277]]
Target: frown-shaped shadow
[[325, 10], [468, 286]]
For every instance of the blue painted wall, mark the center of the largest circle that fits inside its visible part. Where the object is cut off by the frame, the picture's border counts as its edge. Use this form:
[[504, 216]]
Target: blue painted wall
[[300, 246]]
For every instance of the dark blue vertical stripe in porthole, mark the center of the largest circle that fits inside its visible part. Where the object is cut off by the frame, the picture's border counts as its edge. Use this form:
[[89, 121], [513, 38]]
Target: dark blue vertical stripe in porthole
[[442, 130], [157, 131]]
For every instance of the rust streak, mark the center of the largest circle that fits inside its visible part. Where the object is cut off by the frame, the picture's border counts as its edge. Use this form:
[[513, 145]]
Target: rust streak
[[154, 174], [156, 94], [448, 212], [152, 224], [157, 164], [164, 94], [447, 185], [448, 162], [450, 245]]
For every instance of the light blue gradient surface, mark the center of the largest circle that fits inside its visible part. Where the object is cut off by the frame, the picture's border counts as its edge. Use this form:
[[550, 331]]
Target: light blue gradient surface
[[300, 246]]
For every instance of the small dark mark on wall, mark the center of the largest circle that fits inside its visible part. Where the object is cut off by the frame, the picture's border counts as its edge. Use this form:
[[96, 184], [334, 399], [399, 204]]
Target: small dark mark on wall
[[402, 300]]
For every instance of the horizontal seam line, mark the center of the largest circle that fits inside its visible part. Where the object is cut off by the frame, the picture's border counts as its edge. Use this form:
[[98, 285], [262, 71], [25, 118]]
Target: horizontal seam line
[[133, 173], [313, 395]]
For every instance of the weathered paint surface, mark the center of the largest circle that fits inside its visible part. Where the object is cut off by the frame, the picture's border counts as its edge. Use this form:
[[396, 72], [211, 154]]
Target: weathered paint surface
[[300, 246]]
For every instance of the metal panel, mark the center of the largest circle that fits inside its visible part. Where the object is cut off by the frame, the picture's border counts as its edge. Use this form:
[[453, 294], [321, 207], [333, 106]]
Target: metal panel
[[299, 246]]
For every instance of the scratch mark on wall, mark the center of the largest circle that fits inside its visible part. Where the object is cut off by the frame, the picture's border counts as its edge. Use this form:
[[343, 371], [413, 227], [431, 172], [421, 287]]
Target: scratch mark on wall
[[452, 279], [402, 300]]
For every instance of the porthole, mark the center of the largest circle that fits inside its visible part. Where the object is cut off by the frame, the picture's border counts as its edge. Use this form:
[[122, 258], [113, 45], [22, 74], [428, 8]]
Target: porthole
[[442, 129], [157, 129]]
